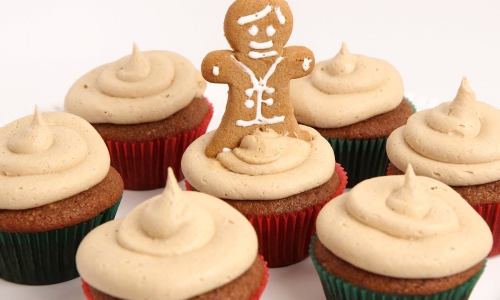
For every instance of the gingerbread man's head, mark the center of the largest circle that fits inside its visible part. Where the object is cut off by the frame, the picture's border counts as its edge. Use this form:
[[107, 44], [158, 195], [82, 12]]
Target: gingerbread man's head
[[258, 28]]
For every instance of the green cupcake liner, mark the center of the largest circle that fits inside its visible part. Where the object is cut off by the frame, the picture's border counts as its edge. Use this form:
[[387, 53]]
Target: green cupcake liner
[[42, 258], [362, 159], [336, 288]]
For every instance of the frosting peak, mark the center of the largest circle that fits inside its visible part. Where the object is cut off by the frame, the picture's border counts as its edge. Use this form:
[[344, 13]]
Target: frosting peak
[[265, 152], [47, 157], [136, 68], [36, 137], [409, 200], [210, 245], [343, 63], [460, 118], [167, 225], [443, 237], [142, 87], [455, 142]]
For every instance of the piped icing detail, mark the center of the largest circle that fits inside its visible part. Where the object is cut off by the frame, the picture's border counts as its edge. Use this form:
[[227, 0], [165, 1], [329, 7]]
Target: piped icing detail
[[48, 157], [142, 87], [346, 89], [193, 241], [168, 225], [265, 152], [404, 226], [259, 87], [455, 142], [36, 137], [285, 166]]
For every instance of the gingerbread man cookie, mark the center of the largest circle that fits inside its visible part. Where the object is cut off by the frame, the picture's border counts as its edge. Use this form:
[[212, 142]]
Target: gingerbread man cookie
[[258, 71]]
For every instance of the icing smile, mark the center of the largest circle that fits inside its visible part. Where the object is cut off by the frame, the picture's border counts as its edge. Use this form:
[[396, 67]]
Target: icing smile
[[260, 46]]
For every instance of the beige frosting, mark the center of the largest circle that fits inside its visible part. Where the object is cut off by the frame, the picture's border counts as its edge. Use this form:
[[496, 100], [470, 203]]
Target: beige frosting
[[455, 142], [266, 166], [47, 157], [406, 227], [142, 87], [345, 90], [192, 241]]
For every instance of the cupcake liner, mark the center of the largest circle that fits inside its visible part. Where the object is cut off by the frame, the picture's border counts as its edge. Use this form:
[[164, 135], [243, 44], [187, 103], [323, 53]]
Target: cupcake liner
[[42, 258], [491, 214], [336, 288], [362, 159], [255, 296], [143, 165]]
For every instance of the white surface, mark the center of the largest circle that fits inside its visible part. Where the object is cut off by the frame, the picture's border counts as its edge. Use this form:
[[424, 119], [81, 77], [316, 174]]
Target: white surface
[[47, 45]]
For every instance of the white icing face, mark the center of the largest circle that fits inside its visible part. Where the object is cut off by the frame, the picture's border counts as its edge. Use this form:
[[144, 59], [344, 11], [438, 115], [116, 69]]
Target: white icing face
[[253, 30], [270, 31]]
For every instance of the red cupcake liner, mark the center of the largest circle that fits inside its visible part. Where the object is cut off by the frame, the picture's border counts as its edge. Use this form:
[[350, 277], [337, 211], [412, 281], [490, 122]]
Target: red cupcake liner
[[491, 214], [265, 279], [143, 165], [255, 296]]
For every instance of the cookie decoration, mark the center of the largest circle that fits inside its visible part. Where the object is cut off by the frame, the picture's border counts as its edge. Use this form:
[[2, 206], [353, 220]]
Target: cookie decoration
[[258, 71]]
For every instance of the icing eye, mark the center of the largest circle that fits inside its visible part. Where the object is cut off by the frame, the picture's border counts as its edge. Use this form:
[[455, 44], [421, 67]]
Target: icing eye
[[270, 30], [253, 30]]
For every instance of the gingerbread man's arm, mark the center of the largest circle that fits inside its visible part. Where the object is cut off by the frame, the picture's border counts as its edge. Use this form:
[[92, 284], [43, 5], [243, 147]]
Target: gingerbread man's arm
[[219, 67], [300, 61]]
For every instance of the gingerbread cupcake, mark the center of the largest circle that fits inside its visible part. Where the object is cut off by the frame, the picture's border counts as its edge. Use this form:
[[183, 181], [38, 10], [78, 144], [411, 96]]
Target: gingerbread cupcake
[[260, 160], [148, 107], [355, 102], [457, 143], [56, 185], [177, 245], [400, 237]]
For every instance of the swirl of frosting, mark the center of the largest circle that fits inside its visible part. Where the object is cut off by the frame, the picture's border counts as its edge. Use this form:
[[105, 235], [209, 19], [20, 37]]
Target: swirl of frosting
[[167, 225], [455, 142], [345, 90], [285, 166], [265, 152], [142, 87], [193, 241], [48, 157], [406, 227]]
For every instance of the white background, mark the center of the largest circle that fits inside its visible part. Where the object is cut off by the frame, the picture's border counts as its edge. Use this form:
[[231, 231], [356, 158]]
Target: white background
[[46, 45]]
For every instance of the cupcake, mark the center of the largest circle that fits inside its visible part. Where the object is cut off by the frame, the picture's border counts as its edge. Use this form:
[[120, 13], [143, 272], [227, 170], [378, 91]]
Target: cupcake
[[355, 102], [148, 107], [56, 185], [176, 245], [456, 143], [260, 160], [400, 237]]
